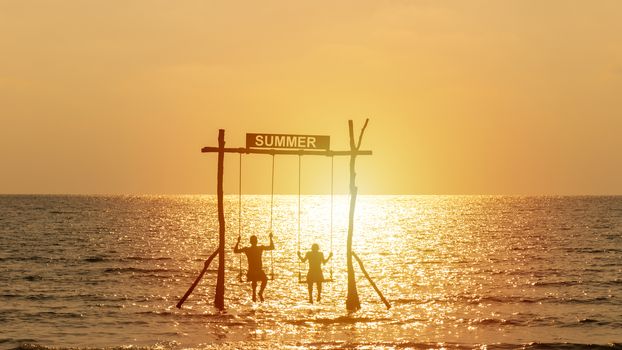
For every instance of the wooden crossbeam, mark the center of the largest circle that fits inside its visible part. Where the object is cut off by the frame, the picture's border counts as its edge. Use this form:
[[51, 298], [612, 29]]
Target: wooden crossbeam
[[300, 152]]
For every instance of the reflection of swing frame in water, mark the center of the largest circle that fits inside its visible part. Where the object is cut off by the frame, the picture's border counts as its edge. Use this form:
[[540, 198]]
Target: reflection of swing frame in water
[[352, 300]]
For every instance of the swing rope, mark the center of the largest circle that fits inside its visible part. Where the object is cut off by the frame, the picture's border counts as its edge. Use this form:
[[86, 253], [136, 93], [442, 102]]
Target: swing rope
[[271, 212], [299, 263], [332, 163], [240, 274]]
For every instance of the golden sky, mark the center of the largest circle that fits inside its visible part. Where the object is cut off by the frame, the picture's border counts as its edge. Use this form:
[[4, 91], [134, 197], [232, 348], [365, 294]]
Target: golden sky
[[464, 97]]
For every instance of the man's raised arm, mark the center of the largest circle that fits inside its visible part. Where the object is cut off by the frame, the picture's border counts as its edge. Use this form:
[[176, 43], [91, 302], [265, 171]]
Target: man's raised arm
[[236, 249]]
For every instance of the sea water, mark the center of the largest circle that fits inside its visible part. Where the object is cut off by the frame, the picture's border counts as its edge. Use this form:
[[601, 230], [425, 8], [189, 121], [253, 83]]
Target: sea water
[[459, 272]]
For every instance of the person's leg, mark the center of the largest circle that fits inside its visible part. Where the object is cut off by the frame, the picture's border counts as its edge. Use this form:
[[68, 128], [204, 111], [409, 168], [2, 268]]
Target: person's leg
[[254, 285], [310, 287], [264, 283], [319, 291]]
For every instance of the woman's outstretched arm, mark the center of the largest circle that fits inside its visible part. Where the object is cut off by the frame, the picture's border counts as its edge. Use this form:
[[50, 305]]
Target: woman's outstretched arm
[[271, 246]]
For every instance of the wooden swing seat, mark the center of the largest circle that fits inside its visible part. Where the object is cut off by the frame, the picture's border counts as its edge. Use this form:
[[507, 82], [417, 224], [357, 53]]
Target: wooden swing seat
[[242, 277], [304, 280]]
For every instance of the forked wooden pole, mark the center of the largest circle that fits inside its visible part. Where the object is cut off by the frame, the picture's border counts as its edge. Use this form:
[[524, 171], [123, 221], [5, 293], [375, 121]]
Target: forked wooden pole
[[384, 300], [196, 281], [352, 300]]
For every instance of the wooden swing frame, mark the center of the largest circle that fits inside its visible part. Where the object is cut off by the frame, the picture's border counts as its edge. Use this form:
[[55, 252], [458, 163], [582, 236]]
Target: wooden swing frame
[[352, 299]]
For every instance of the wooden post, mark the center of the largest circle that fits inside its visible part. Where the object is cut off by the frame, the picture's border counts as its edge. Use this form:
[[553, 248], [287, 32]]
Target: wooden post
[[219, 299], [352, 301]]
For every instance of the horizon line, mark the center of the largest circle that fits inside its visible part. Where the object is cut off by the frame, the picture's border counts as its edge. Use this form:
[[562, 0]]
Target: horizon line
[[321, 194]]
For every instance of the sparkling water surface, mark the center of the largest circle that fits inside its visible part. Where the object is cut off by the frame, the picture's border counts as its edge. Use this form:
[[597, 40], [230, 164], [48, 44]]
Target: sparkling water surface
[[459, 272]]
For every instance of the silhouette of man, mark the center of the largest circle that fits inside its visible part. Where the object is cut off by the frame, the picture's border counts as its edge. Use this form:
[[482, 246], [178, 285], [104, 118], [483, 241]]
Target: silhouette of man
[[314, 275], [255, 271]]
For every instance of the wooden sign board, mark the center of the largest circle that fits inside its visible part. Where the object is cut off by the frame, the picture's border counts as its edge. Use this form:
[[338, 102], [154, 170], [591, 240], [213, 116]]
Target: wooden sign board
[[287, 141]]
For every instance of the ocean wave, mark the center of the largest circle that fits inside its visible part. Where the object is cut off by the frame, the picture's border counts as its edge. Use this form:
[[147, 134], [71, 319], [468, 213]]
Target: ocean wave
[[596, 300], [44, 316], [570, 346], [556, 283], [343, 345], [32, 278], [145, 258], [604, 283], [473, 299], [499, 321], [476, 300], [60, 212], [555, 300], [337, 320], [142, 270], [593, 250], [66, 297], [505, 299], [35, 258], [94, 259], [27, 345], [590, 322], [99, 258]]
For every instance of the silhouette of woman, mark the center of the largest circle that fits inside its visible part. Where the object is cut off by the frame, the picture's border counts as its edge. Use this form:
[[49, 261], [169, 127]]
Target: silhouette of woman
[[314, 275]]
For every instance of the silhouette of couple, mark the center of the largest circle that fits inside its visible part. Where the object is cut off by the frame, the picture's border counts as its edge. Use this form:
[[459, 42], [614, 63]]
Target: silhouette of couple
[[256, 274]]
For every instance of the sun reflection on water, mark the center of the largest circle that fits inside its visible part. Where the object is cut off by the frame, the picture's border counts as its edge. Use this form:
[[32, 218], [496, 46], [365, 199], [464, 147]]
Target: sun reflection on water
[[468, 270]]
